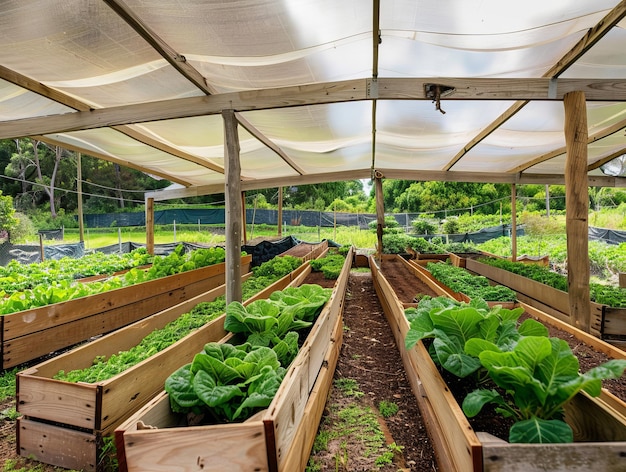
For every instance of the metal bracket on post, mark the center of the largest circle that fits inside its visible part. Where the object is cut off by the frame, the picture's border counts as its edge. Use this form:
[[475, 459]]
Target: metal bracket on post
[[552, 88], [372, 88]]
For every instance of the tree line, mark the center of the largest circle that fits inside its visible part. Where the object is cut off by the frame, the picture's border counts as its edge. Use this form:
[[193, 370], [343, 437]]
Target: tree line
[[41, 179]]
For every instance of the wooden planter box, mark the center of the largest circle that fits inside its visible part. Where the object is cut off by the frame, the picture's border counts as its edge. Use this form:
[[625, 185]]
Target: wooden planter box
[[419, 270], [604, 321], [30, 334], [276, 439], [63, 423], [599, 423]]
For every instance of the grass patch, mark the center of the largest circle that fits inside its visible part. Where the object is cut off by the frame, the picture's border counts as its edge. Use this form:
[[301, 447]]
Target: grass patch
[[387, 409], [350, 436], [7, 384]]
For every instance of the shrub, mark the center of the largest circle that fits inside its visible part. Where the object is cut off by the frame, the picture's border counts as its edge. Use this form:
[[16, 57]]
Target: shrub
[[423, 226]]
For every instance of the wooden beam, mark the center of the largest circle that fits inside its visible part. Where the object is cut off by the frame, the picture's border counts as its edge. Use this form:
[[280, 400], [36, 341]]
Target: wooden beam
[[615, 128], [513, 222], [583, 45], [233, 207], [100, 155], [132, 132], [606, 159], [577, 210], [280, 211], [316, 94], [451, 176], [178, 61], [150, 225], [250, 128], [380, 214]]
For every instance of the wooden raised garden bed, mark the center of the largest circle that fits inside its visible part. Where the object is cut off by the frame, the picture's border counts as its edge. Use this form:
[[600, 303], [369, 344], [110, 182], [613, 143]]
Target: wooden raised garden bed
[[599, 423], [276, 439], [606, 322], [63, 423], [30, 334]]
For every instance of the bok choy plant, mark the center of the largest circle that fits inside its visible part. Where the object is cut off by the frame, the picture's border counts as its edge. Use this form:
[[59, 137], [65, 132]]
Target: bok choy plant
[[536, 379], [226, 382]]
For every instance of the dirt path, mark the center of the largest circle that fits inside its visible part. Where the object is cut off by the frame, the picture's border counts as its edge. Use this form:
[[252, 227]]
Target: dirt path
[[369, 357]]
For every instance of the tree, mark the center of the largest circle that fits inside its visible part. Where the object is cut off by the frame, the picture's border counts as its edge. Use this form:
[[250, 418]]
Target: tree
[[8, 221], [42, 170]]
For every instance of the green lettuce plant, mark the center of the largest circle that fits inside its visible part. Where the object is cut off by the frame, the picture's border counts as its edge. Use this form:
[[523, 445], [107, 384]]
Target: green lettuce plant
[[535, 379], [226, 382], [451, 324]]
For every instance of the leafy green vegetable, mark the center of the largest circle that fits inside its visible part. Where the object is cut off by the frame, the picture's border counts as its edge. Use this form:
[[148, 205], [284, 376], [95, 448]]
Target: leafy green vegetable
[[269, 322], [63, 289], [226, 381], [330, 265], [604, 294], [451, 324], [474, 286], [103, 368], [536, 378], [305, 300]]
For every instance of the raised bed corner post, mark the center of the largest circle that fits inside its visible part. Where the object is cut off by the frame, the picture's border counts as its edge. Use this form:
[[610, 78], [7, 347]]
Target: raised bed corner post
[[234, 207], [150, 226], [577, 209], [380, 213]]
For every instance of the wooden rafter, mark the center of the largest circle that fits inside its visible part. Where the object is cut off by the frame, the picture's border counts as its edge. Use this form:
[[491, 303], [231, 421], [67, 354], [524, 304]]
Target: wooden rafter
[[250, 128], [606, 159], [107, 157], [64, 99], [403, 174], [582, 46], [178, 61], [557, 152]]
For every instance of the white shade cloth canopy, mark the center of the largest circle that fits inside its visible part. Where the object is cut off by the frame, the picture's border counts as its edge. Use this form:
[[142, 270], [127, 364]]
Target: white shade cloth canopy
[[127, 81]]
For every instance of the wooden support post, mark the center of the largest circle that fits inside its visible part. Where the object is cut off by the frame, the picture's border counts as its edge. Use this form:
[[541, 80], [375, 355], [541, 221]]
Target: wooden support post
[[150, 226], [513, 222], [79, 194], [380, 212], [577, 209], [244, 220], [232, 170], [280, 211]]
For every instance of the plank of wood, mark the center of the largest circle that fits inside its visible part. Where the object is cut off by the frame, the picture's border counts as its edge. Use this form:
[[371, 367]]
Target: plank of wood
[[123, 339], [57, 446], [75, 404], [297, 456], [232, 447], [578, 457], [593, 420], [614, 322], [577, 208], [174, 287]]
